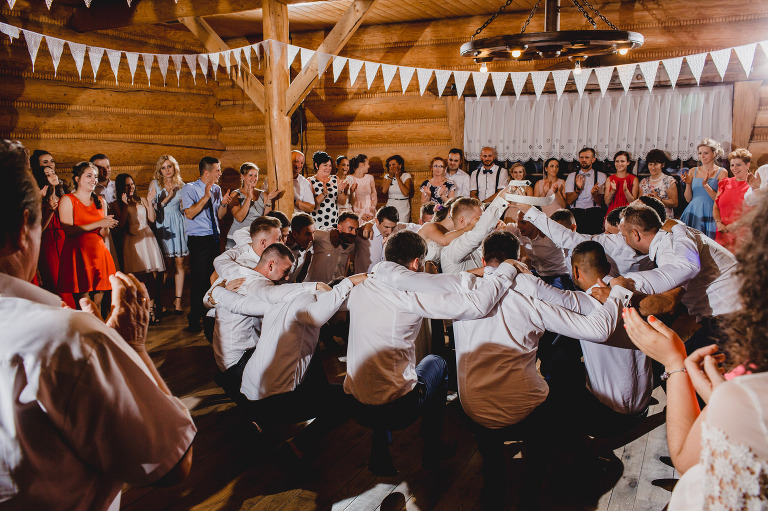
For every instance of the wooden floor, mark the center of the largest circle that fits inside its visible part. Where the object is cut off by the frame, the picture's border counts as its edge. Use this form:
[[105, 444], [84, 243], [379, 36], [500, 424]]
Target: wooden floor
[[235, 467]]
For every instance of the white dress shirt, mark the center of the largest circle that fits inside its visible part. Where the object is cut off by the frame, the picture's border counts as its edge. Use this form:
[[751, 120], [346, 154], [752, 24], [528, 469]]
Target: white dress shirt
[[228, 263], [751, 197], [461, 180], [584, 200], [328, 262], [546, 257], [369, 251], [384, 323], [686, 257], [302, 189], [485, 184], [622, 257], [289, 336], [242, 236], [463, 253]]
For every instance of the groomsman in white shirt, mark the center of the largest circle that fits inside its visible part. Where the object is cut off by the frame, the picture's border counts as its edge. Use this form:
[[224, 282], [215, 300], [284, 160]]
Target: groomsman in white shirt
[[299, 240], [545, 257], [488, 179], [584, 193], [371, 251], [455, 174]]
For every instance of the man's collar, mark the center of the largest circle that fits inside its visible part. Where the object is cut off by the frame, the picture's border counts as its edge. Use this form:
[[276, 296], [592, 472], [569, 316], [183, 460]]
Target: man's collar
[[586, 172], [14, 287], [654, 246]]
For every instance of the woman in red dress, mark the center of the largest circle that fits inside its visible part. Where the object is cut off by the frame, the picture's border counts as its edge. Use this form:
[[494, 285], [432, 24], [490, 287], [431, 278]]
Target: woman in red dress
[[622, 187], [729, 205], [86, 263]]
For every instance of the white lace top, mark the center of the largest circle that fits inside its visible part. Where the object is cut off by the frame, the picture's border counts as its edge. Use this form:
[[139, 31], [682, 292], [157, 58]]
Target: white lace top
[[732, 472]]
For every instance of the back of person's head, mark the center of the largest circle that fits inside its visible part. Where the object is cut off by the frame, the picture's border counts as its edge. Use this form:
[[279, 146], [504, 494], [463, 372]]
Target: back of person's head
[[656, 205], [263, 225], [348, 215], [642, 218], [282, 217], [427, 209], [19, 194], [276, 251], [399, 159], [207, 163], [301, 221], [405, 246], [564, 217], [78, 170], [356, 161], [97, 157], [388, 213], [464, 206], [614, 217], [500, 246], [589, 257], [657, 156]]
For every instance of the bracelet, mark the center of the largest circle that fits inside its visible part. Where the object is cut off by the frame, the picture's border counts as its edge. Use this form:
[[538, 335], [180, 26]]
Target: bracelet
[[666, 374]]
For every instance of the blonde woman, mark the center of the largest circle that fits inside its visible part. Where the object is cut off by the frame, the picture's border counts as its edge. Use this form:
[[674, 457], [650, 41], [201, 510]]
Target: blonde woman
[[701, 184], [517, 173], [169, 222]]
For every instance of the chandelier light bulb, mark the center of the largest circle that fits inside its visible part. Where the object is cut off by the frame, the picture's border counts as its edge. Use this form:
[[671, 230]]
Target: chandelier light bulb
[[516, 53], [483, 68], [623, 51], [577, 69]]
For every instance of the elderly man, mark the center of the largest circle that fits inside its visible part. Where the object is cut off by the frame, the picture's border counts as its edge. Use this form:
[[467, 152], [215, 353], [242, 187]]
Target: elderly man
[[84, 409], [488, 179], [303, 197]]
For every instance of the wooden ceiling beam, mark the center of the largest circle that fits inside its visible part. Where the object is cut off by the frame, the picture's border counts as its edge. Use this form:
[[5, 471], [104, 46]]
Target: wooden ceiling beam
[[349, 22], [251, 85]]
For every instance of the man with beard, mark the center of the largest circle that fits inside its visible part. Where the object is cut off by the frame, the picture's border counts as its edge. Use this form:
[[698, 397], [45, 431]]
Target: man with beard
[[333, 250], [584, 194]]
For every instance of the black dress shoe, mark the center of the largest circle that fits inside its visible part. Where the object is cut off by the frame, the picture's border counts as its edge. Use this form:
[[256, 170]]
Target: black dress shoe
[[381, 464], [194, 324]]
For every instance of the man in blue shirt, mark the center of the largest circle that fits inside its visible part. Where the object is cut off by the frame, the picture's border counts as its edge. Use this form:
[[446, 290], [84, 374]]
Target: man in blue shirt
[[203, 205]]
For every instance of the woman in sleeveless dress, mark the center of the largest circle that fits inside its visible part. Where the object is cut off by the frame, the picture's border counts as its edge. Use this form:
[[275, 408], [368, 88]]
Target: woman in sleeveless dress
[[327, 193], [363, 188], [729, 204], [701, 184], [551, 185], [85, 264], [250, 203], [398, 187], [622, 187], [141, 253], [517, 173], [342, 170]]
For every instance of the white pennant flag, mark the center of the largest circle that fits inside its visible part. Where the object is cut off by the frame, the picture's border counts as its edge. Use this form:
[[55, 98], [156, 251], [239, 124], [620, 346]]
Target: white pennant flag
[[11, 3], [696, 64], [499, 81], [247, 54], [764, 46], [227, 54], [290, 55], [148, 58], [354, 69], [370, 72], [192, 63], [518, 82], [55, 47], [306, 56], [649, 70], [202, 58], [9, 30], [406, 74], [460, 79], [322, 63], [672, 67], [162, 63], [214, 58], [133, 61], [560, 77], [87, 3], [94, 55], [276, 48], [388, 73], [604, 75], [539, 80], [114, 61], [581, 79], [177, 66], [338, 66], [78, 53], [626, 72], [257, 51], [238, 61], [721, 59], [479, 79], [746, 55], [441, 77], [33, 44], [49, 2], [423, 76]]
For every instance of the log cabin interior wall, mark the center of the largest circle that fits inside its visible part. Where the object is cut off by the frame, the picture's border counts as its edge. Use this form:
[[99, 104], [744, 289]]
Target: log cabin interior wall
[[134, 124]]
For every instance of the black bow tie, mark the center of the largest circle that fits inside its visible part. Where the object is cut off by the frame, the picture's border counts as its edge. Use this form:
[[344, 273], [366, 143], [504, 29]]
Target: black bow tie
[[487, 171]]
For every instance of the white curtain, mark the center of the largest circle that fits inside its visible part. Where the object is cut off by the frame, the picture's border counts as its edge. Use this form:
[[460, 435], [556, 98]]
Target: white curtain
[[674, 120]]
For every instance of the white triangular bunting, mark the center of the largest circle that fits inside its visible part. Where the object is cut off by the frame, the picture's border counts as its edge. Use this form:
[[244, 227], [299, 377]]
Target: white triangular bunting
[[604, 75], [192, 63], [322, 63], [721, 59], [672, 67], [370, 72], [499, 81], [290, 55], [33, 44], [696, 64], [247, 54], [214, 58], [479, 79], [581, 79], [177, 66], [424, 76], [94, 55], [257, 51], [114, 61], [354, 69], [649, 70], [9, 30], [148, 58], [11, 3], [202, 58], [227, 54], [78, 53], [338, 66], [306, 55], [626, 72], [388, 73], [560, 77], [238, 61], [277, 50], [460, 79], [49, 2], [162, 63], [539, 80], [87, 3], [746, 55], [518, 82], [764, 46], [441, 78], [406, 74], [55, 47], [133, 61]]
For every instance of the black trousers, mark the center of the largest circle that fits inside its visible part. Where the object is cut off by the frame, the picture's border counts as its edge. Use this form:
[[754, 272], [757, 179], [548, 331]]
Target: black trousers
[[589, 220], [202, 251]]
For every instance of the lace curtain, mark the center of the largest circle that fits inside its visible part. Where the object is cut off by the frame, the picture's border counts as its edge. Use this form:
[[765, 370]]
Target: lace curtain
[[637, 121]]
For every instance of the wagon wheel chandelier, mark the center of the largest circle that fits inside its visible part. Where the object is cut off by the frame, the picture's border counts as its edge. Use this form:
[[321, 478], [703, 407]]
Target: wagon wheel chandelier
[[576, 45]]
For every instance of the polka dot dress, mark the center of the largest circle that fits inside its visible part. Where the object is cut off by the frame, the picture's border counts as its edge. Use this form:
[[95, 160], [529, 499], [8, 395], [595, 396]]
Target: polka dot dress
[[326, 214]]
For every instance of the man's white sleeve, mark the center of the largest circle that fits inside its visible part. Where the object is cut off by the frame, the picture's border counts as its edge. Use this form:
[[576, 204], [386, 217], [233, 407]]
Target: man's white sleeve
[[461, 247], [675, 268], [237, 303], [325, 305], [560, 236]]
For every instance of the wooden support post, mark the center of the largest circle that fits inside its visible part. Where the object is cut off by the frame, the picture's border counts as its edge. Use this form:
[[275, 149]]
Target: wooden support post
[[746, 99], [454, 109], [276, 119]]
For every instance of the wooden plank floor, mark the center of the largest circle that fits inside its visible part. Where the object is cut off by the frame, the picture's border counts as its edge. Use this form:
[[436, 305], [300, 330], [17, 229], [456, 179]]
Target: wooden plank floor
[[236, 468]]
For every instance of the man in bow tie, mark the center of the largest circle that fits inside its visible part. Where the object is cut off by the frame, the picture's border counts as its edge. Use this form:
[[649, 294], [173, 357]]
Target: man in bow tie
[[584, 194], [486, 181]]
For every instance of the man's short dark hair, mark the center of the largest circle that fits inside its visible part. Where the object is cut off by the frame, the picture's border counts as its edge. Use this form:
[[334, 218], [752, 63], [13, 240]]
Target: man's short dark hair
[[98, 156], [276, 250], [591, 255], [585, 149], [464, 204], [264, 224], [405, 246], [282, 217], [500, 246], [347, 215], [642, 218], [388, 213], [427, 208], [19, 193], [399, 159], [563, 216], [656, 205], [614, 217], [301, 221], [207, 163]]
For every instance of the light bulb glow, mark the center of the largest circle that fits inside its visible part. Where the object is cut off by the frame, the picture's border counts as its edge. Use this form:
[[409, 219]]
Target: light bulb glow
[[577, 69], [623, 51], [483, 68], [516, 53]]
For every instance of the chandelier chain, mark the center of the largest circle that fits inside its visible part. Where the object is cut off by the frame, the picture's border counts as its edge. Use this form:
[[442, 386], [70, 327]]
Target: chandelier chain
[[501, 10], [582, 11], [600, 15], [533, 11]]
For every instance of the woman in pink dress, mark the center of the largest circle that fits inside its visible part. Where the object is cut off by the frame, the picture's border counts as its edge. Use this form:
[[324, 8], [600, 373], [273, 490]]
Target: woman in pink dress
[[551, 185], [729, 204], [363, 188], [622, 187]]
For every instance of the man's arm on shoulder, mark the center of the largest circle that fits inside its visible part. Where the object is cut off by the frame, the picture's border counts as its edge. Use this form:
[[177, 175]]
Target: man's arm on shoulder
[[560, 236], [676, 267], [461, 247]]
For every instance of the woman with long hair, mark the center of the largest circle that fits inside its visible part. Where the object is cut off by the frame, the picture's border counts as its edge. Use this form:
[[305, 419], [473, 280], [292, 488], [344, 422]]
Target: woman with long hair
[[164, 197], [85, 264], [398, 187], [250, 203], [325, 187], [342, 169], [438, 188], [517, 173], [622, 187], [551, 185], [362, 187], [701, 184]]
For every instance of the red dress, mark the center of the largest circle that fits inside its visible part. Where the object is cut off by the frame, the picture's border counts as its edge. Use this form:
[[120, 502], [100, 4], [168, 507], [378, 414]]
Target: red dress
[[730, 201], [86, 263], [620, 199], [51, 245]]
